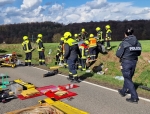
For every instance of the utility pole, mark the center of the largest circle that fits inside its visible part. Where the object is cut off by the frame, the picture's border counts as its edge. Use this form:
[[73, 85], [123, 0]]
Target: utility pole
[[32, 38]]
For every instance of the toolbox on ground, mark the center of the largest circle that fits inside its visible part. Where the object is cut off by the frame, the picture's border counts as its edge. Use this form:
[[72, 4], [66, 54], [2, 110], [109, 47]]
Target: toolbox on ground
[[8, 60]]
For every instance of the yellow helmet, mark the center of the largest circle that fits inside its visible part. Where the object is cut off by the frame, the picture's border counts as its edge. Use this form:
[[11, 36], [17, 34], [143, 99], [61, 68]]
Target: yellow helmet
[[86, 42], [98, 28], [91, 35], [25, 37], [67, 34], [75, 35], [40, 35], [83, 30], [107, 26]]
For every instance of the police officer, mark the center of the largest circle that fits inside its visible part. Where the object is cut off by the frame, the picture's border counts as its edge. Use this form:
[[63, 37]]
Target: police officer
[[28, 50], [108, 36], [40, 49], [71, 55], [128, 52]]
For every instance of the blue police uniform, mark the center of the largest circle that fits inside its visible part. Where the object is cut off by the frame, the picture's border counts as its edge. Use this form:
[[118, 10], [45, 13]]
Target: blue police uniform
[[128, 52]]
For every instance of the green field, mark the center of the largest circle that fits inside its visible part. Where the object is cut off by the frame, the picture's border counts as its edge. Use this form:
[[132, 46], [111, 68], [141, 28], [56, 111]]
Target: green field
[[110, 61]]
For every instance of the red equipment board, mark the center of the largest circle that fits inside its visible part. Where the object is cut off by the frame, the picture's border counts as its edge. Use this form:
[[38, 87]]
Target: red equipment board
[[56, 97], [35, 95]]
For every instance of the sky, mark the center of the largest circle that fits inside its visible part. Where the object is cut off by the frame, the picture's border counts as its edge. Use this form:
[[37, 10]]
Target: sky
[[72, 11]]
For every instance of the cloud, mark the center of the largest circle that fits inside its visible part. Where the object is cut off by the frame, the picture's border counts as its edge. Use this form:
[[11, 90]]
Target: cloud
[[5, 2], [97, 4], [94, 10], [12, 11], [30, 4]]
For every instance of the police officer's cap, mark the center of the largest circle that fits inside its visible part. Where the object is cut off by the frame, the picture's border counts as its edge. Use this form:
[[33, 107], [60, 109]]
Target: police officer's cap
[[129, 31]]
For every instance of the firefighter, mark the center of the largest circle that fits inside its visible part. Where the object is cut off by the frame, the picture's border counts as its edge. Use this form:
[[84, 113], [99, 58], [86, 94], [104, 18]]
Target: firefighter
[[83, 34], [59, 54], [100, 41], [108, 36], [40, 49], [84, 55], [71, 55], [76, 37], [65, 60], [100, 35], [28, 50], [92, 47]]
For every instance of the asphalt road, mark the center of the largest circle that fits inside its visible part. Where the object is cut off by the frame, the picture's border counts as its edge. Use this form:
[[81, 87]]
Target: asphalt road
[[91, 98]]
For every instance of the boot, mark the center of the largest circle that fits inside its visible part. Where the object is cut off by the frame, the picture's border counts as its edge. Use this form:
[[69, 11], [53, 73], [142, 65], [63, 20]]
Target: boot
[[70, 77], [56, 62], [40, 63], [43, 63], [26, 64], [29, 64], [76, 80]]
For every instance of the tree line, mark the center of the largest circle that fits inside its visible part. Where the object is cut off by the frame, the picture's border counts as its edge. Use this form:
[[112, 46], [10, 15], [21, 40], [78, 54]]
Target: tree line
[[52, 31]]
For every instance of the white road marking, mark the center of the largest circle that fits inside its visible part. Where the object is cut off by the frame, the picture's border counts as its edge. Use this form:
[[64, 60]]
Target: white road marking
[[148, 100]]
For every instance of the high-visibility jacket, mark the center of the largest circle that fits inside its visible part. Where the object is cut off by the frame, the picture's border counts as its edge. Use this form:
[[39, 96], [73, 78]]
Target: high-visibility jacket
[[108, 34], [27, 46], [84, 51], [92, 42], [71, 49], [40, 44], [100, 36], [61, 45]]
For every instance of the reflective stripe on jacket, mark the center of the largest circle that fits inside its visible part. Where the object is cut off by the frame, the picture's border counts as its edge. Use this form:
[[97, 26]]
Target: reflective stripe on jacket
[[100, 36], [40, 44], [27, 46], [108, 34], [84, 51]]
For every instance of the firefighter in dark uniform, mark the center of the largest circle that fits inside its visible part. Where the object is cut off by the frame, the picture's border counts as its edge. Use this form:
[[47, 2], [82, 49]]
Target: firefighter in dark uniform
[[108, 36], [59, 54], [71, 55], [40, 49], [99, 35], [83, 34], [128, 52], [100, 41], [28, 50], [84, 50], [76, 37]]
